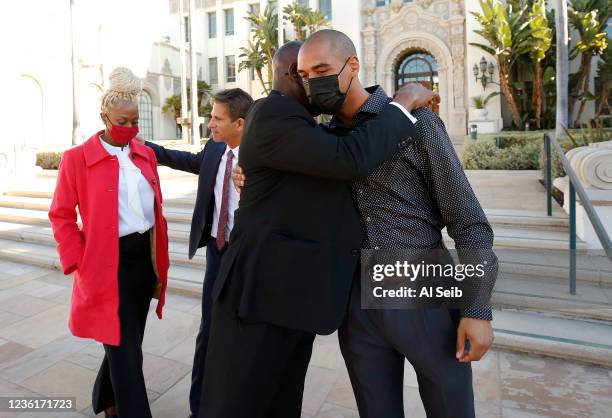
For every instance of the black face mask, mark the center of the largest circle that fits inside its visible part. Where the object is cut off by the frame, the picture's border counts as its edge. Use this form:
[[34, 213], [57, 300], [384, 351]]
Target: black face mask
[[324, 93]]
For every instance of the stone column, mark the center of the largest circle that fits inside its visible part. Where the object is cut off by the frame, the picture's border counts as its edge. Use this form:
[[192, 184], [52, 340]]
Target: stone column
[[369, 45]]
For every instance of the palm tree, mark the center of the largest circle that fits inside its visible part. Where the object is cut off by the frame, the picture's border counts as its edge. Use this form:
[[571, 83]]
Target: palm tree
[[315, 19], [506, 28], [173, 103], [540, 40], [264, 28], [305, 21], [589, 18], [254, 59], [604, 72], [204, 94]]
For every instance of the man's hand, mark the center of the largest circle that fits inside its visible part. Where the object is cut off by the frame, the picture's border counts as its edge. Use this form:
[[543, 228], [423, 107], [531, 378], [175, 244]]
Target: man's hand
[[238, 178], [480, 334], [414, 95]]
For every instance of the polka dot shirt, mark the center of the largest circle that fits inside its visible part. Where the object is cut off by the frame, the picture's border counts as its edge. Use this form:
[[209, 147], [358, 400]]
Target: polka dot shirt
[[409, 199]]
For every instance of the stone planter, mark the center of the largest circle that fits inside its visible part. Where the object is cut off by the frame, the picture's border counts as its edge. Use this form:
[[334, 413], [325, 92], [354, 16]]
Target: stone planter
[[481, 113]]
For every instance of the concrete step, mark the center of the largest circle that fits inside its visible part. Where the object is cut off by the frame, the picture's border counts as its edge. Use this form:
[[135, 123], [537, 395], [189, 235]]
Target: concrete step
[[187, 200], [181, 209], [24, 202], [527, 219], [177, 230], [173, 213], [591, 267], [504, 237], [574, 339], [551, 296], [527, 238], [45, 255]]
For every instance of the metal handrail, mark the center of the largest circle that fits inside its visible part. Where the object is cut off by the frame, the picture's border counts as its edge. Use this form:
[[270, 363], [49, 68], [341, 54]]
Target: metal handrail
[[575, 187]]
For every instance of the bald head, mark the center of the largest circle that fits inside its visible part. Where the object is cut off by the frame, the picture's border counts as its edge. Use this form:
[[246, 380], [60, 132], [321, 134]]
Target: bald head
[[337, 42], [285, 56], [329, 53], [286, 79]]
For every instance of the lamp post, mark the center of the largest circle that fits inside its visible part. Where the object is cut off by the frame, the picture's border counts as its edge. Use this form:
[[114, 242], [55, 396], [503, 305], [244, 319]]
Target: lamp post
[[195, 120], [483, 68], [183, 60], [562, 67]]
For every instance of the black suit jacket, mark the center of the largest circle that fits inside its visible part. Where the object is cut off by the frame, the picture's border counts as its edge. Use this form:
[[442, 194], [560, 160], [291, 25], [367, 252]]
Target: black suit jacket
[[205, 164], [297, 233]]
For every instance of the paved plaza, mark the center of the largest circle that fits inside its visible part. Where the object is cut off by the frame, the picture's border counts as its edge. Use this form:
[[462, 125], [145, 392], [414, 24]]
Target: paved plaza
[[38, 357]]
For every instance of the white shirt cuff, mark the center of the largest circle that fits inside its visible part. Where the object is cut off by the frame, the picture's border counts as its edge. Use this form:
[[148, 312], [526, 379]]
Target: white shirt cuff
[[407, 113]]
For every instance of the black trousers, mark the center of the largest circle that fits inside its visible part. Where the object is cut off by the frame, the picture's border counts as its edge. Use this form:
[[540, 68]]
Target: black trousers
[[120, 381], [375, 344], [253, 369], [213, 261]]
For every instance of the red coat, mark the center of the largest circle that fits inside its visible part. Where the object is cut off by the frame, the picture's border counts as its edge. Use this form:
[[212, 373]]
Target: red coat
[[89, 178]]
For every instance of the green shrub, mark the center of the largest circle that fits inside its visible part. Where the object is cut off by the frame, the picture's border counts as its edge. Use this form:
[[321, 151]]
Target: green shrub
[[513, 153], [48, 160], [557, 165], [514, 150]]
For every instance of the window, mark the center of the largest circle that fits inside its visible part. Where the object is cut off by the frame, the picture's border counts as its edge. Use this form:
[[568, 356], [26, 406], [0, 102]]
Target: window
[[609, 28], [145, 119], [254, 8], [326, 8], [420, 67], [229, 22], [213, 71], [186, 26], [230, 69], [212, 25]]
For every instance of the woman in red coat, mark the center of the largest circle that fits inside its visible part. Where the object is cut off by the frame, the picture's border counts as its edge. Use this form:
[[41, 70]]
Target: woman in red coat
[[120, 254]]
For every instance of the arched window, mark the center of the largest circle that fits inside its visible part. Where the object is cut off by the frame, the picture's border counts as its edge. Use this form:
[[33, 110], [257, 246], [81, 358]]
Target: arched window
[[420, 67], [145, 121], [31, 114]]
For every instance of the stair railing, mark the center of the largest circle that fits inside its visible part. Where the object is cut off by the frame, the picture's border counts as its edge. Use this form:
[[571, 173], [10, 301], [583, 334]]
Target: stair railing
[[550, 142]]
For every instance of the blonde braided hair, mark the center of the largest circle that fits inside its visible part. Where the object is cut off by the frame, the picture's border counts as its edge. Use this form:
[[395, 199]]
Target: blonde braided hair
[[124, 86]]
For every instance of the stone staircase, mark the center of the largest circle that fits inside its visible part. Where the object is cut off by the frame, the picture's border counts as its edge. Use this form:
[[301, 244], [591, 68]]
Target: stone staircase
[[534, 311]]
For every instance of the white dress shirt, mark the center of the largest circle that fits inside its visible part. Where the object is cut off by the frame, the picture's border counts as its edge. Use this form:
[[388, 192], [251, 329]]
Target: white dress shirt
[[136, 198], [406, 112], [234, 197]]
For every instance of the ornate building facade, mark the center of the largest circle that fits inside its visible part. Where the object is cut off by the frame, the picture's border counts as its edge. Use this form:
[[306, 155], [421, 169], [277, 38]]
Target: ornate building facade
[[422, 40]]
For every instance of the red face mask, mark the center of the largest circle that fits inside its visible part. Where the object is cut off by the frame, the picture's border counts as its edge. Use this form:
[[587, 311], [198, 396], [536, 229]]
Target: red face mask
[[122, 134]]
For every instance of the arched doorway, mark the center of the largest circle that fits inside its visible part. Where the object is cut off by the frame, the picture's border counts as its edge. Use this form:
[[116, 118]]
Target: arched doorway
[[421, 67], [31, 114], [89, 110], [145, 121]]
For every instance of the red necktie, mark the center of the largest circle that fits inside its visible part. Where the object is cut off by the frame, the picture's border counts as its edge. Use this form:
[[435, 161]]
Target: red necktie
[[223, 213]]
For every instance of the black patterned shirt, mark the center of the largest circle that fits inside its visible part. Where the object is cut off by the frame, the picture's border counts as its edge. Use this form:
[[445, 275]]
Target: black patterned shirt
[[411, 197]]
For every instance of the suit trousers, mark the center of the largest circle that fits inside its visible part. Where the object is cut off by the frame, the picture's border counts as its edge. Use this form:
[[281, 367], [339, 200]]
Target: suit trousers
[[375, 343], [213, 261], [120, 381], [253, 369]]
